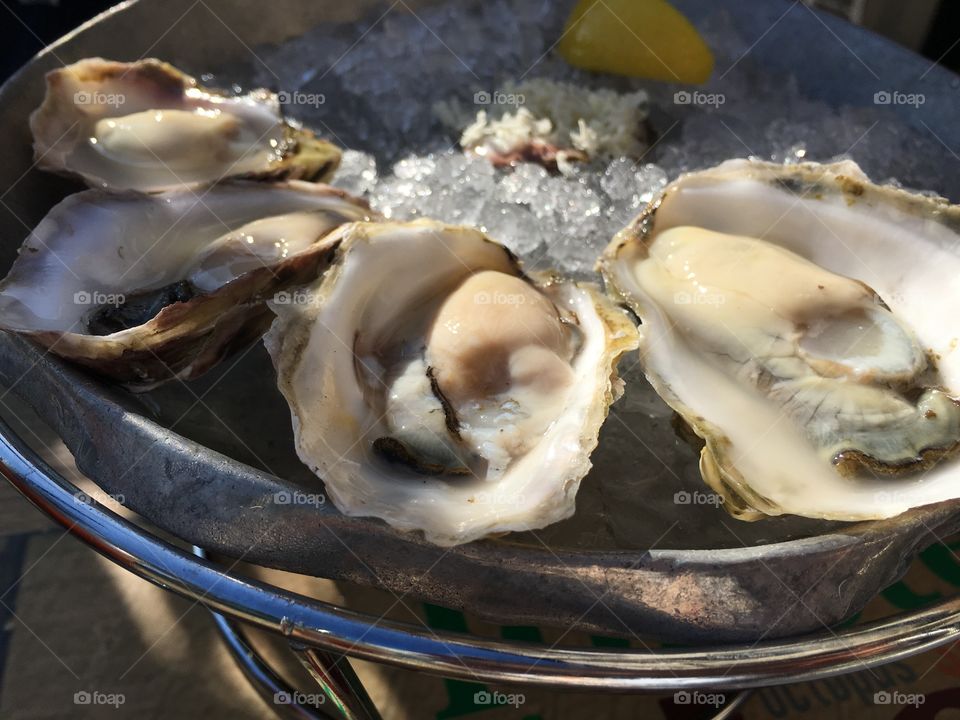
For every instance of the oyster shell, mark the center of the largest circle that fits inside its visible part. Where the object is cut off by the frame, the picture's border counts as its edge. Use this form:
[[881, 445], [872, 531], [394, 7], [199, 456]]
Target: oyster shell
[[147, 126], [144, 288], [436, 386], [787, 317]]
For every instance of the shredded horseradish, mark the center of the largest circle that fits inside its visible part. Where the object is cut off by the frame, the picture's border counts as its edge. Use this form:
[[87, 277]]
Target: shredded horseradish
[[598, 123]]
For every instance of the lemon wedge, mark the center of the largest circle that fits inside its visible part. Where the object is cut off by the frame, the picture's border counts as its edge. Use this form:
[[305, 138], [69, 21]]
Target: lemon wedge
[[637, 38]]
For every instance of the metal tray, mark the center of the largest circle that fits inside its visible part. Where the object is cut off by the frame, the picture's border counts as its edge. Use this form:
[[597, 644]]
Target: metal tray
[[204, 461]]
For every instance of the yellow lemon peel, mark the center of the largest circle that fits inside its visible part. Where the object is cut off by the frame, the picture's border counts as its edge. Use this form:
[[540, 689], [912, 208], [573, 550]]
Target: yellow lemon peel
[[637, 38]]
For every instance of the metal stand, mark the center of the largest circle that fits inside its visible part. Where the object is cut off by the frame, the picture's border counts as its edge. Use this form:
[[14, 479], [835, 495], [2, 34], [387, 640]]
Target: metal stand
[[340, 685], [261, 676], [322, 633]]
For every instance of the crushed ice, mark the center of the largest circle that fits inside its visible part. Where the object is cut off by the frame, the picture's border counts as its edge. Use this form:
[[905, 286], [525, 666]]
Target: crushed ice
[[546, 219], [381, 81]]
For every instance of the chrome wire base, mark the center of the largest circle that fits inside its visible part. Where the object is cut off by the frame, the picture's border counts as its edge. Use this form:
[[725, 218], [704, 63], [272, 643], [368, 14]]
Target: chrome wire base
[[341, 687], [343, 694], [285, 700], [339, 683], [313, 626]]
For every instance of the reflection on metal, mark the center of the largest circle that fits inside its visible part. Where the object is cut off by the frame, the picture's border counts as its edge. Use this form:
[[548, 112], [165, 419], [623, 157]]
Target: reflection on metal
[[338, 681], [284, 700], [731, 707], [321, 625]]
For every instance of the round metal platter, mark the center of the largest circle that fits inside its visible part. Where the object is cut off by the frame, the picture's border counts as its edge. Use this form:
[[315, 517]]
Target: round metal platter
[[206, 461]]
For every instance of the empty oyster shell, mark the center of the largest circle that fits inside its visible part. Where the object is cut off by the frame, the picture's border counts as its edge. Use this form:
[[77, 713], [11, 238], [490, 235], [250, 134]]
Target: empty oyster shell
[[147, 126], [436, 386], [144, 288], [787, 317]]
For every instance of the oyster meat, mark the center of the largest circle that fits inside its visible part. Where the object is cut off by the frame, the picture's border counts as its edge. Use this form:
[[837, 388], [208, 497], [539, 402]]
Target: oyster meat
[[144, 288], [803, 321], [147, 126], [435, 385]]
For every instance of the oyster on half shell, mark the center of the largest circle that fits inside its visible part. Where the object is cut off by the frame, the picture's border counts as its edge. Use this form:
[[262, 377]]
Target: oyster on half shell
[[144, 288], [804, 323], [435, 385], [147, 126]]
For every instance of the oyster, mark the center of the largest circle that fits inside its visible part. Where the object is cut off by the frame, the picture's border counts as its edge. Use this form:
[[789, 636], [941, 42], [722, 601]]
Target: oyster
[[147, 126], [436, 386], [144, 288], [787, 317]]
